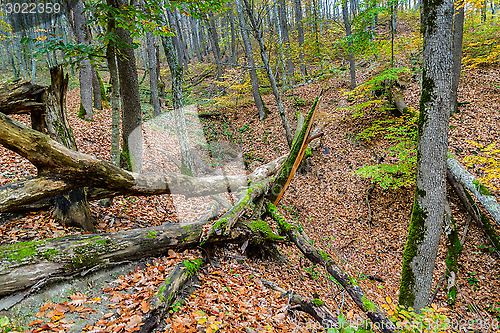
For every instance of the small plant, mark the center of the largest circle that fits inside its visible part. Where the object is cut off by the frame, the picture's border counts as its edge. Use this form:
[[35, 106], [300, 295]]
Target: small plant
[[5, 325], [473, 281]]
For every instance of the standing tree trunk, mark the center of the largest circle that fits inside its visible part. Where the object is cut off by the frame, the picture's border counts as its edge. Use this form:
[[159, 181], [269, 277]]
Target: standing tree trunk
[[77, 20], [257, 32], [153, 75], [458, 35], [300, 32], [214, 39], [285, 39], [430, 193], [131, 156], [347, 24], [195, 36], [259, 103], [96, 89], [71, 208]]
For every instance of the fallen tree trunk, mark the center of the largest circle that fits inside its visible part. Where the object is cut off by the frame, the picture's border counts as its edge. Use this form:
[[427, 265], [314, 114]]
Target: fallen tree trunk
[[484, 196], [300, 239], [168, 292], [62, 169], [313, 307], [21, 96], [25, 264], [482, 221]]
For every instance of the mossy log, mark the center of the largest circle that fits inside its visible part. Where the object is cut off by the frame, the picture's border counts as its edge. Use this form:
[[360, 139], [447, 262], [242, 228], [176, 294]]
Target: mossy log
[[25, 264], [168, 292], [294, 158], [302, 241], [21, 96], [62, 169], [470, 182], [314, 307], [470, 205]]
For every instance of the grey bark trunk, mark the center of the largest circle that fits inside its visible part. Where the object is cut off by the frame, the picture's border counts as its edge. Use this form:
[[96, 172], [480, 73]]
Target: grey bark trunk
[[347, 25], [458, 34], [96, 89], [430, 194], [77, 20], [300, 35], [257, 31], [285, 39], [214, 39], [196, 40], [153, 75], [251, 63], [131, 156]]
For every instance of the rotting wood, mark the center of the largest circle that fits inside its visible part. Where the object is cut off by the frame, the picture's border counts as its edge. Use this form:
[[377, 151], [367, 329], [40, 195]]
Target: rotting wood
[[301, 240], [21, 96], [312, 306], [487, 200]]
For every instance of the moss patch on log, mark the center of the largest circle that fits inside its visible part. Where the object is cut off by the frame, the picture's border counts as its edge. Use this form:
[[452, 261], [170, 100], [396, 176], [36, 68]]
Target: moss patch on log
[[264, 229]]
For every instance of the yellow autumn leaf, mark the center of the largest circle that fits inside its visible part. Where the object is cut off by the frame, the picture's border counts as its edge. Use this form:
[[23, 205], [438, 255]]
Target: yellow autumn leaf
[[388, 300], [202, 320]]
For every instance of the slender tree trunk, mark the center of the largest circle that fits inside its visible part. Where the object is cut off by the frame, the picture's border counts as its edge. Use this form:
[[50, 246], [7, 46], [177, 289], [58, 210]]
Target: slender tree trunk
[[300, 32], [430, 194], [352, 64], [195, 36], [182, 40], [96, 89], [285, 39], [234, 58], [259, 103], [75, 12], [458, 35], [483, 11], [257, 31], [153, 75], [214, 39]]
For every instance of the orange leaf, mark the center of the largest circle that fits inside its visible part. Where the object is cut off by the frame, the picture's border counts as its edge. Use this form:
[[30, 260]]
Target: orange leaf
[[144, 306], [36, 322]]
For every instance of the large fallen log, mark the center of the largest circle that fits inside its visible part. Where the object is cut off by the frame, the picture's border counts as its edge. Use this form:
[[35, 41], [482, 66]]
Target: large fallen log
[[300, 239], [484, 196], [21, 96], [25, 264], [62, 169]]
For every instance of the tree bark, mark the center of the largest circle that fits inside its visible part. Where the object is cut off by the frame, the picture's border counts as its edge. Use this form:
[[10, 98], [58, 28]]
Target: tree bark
[[300, 32], [283, 25], [214, 39], [75, 12], [487, 200], [430, 194], [153, 75], [347, 25], [259, 103], [458, 35], [131, 156], [258, 34]]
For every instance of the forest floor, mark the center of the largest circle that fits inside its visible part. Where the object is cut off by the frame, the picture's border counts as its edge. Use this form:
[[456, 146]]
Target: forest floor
[[328, 201]]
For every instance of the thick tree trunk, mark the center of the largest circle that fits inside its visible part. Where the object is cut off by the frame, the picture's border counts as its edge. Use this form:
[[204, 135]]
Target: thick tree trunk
[[259, 103], [131, 156], [430, 195], [458, 35], [69, 255], [71, 208], [257, 31]]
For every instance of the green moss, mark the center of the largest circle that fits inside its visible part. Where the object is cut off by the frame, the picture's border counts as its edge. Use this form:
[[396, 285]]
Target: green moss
[[481, 188], [89, 254], [325, 255], [187, 228], [283, 224], [192, 266], [152, 234], [81, 112], [369, 305], [265, 229], [416, 234], [318, 302], [353, 281], [488, 229], [20, 251]]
